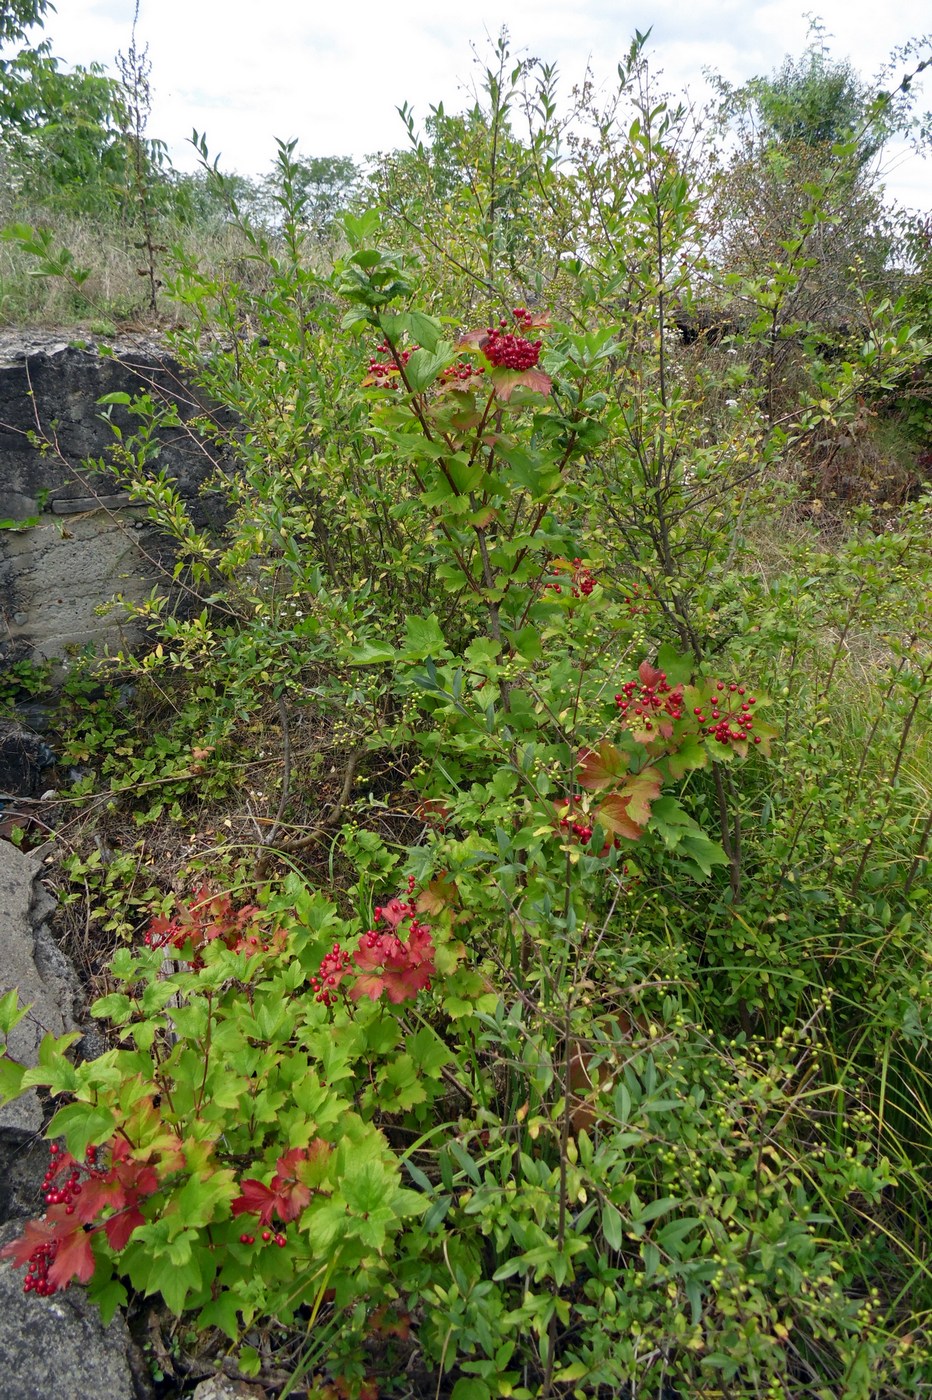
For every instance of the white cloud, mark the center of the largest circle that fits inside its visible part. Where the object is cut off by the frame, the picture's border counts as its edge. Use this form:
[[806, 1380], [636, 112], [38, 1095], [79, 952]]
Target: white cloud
[[332, 75]]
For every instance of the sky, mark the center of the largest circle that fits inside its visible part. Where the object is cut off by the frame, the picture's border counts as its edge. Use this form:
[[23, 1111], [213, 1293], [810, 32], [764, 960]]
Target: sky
[[332, 74]]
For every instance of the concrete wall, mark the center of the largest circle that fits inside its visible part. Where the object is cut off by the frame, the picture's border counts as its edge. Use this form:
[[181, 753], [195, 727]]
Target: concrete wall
[[89, 544]]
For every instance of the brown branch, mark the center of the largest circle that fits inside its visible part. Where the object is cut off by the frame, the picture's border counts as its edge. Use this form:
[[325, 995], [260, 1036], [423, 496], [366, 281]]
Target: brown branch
[[331, 814]]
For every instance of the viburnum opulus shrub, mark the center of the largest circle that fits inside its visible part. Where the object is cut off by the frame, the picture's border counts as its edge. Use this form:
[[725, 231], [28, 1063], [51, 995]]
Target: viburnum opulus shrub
[[501, 548], [238, 1112]]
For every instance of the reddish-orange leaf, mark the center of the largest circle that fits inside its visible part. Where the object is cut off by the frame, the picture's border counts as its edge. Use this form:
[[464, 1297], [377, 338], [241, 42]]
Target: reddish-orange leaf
[[439, 893], [641, 789], [600, 767], [97, 1195], [367, 984], [612, 816], [75, 1259], [35, 1233], [506, 381], [257, 1199]]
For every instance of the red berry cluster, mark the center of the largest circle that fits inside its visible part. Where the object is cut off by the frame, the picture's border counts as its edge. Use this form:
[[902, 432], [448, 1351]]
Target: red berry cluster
[[506, 350], [583, 580], [650, 699], [382, 961], [453, 374], [730, 720], [580, 830], [381, 372], [636, 602], [40, 1261], [62, 1194], [56, 1193], [387, 950], [332, 969], [267, 1238]]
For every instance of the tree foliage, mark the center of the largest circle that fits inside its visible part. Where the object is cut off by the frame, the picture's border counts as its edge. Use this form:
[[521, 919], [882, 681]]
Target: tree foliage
[[17, 17]]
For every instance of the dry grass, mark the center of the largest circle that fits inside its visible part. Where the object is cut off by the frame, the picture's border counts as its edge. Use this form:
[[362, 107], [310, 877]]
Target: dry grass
[[117, 289]]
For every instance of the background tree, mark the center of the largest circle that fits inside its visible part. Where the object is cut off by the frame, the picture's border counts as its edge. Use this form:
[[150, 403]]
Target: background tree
[[61, 129], [325, 185], [797, 216], [17, 17]]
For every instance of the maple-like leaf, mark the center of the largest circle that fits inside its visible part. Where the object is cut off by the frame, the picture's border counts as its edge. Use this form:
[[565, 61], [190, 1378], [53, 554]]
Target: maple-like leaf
[[120, 1227], [367, 984], [35, 1233], [373, 951], [765, 732], [75, 1258], [649, 674], [290, 1200], [313, 1169], [600, 767], [406, 967], [394, 911], [98, 1195], [404, 983], [286, 1195], [641, 789], [256, 1199], [506, 381], [439, 893], [287, 1164], [627, 811], [612, 816]]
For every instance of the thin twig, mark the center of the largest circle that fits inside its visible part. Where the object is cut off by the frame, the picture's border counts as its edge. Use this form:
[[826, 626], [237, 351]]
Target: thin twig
[[266, 854]]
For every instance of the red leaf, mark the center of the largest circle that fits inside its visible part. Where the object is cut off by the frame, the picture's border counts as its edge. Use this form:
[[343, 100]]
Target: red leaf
[[394, 911], [75, 1259], [406, 967], [649, 674], [627, 811], [420, 945], [286, 1195], [36, 1232], [257, 1199], [290, 1203], [120, 1226], [370, 955], [404, 983], [367, 985], [96, 1196], [287, 1165], [292, 1194]]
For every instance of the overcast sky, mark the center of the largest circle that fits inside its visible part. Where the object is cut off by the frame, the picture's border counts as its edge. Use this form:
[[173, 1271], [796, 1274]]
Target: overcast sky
[[332, 74]]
